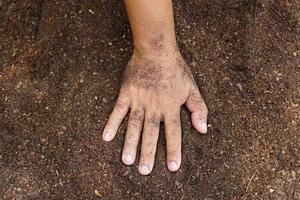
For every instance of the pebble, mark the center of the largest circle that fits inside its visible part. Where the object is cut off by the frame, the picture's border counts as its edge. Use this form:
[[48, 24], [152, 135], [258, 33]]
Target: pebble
[[294, 176], [104, 100], [226, 78], [44, 140], [294, 53], [97, 193], [92, 12], [239, 86]]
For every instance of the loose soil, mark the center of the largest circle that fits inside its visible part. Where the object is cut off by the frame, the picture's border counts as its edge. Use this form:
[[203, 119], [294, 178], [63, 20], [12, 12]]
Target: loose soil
[[61, 64]]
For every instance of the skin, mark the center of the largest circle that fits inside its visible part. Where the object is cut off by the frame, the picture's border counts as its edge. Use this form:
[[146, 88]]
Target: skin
[[157, 82]]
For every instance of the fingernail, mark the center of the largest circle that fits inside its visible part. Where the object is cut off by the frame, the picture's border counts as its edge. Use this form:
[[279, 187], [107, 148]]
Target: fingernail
[[128, 159], [144, 169], [107, 136], [173, 166], [203, 126]]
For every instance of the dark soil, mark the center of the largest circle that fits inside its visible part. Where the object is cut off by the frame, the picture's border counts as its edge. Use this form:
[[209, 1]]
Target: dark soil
[[61, 64]]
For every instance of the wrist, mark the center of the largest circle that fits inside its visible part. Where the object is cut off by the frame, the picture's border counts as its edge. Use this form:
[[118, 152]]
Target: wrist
[[156, 46]]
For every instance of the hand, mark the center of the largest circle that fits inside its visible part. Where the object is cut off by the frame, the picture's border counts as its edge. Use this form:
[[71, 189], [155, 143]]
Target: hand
[[154, 89]]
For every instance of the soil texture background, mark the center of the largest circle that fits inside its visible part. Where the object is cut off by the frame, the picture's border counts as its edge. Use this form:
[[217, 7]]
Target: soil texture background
[[61, 65]]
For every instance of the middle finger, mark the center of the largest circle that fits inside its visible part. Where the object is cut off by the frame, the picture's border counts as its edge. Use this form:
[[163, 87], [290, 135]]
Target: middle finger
[[149, 142]]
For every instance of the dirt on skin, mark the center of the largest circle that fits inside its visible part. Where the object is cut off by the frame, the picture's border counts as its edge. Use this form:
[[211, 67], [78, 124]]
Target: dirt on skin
[[61, 64]]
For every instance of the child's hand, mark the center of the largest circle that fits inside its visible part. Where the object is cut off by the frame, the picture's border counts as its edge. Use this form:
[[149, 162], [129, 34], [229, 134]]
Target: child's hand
[[154, 89]]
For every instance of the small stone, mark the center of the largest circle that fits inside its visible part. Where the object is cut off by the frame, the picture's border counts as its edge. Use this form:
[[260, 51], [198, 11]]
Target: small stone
[[97, 193], [104, 100], [44, 140], [294, 176], [226, 78], [60, 132], [239, 86], [92, 12], [19, 189], [109, 43], [81, 80], [272, 190], [294, 53]]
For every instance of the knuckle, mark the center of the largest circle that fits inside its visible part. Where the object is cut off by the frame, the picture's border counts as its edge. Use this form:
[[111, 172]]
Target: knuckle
[[129, 143], [147, 155], [136, 118], [198, 99], [195, 96], [176, 122], [204, 109], [173, 153], [174, 133], [135, 123], [153, 120], [120, 105], [137, 114], [174, 119]]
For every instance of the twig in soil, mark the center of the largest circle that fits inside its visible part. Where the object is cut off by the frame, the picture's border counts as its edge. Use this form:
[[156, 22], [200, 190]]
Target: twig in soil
[[250, 180]]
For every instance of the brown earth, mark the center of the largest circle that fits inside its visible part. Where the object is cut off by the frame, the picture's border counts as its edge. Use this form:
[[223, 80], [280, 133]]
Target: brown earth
[[61, 64]]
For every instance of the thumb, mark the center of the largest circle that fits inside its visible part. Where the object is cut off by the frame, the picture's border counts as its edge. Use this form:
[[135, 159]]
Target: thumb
[[197, 107]]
